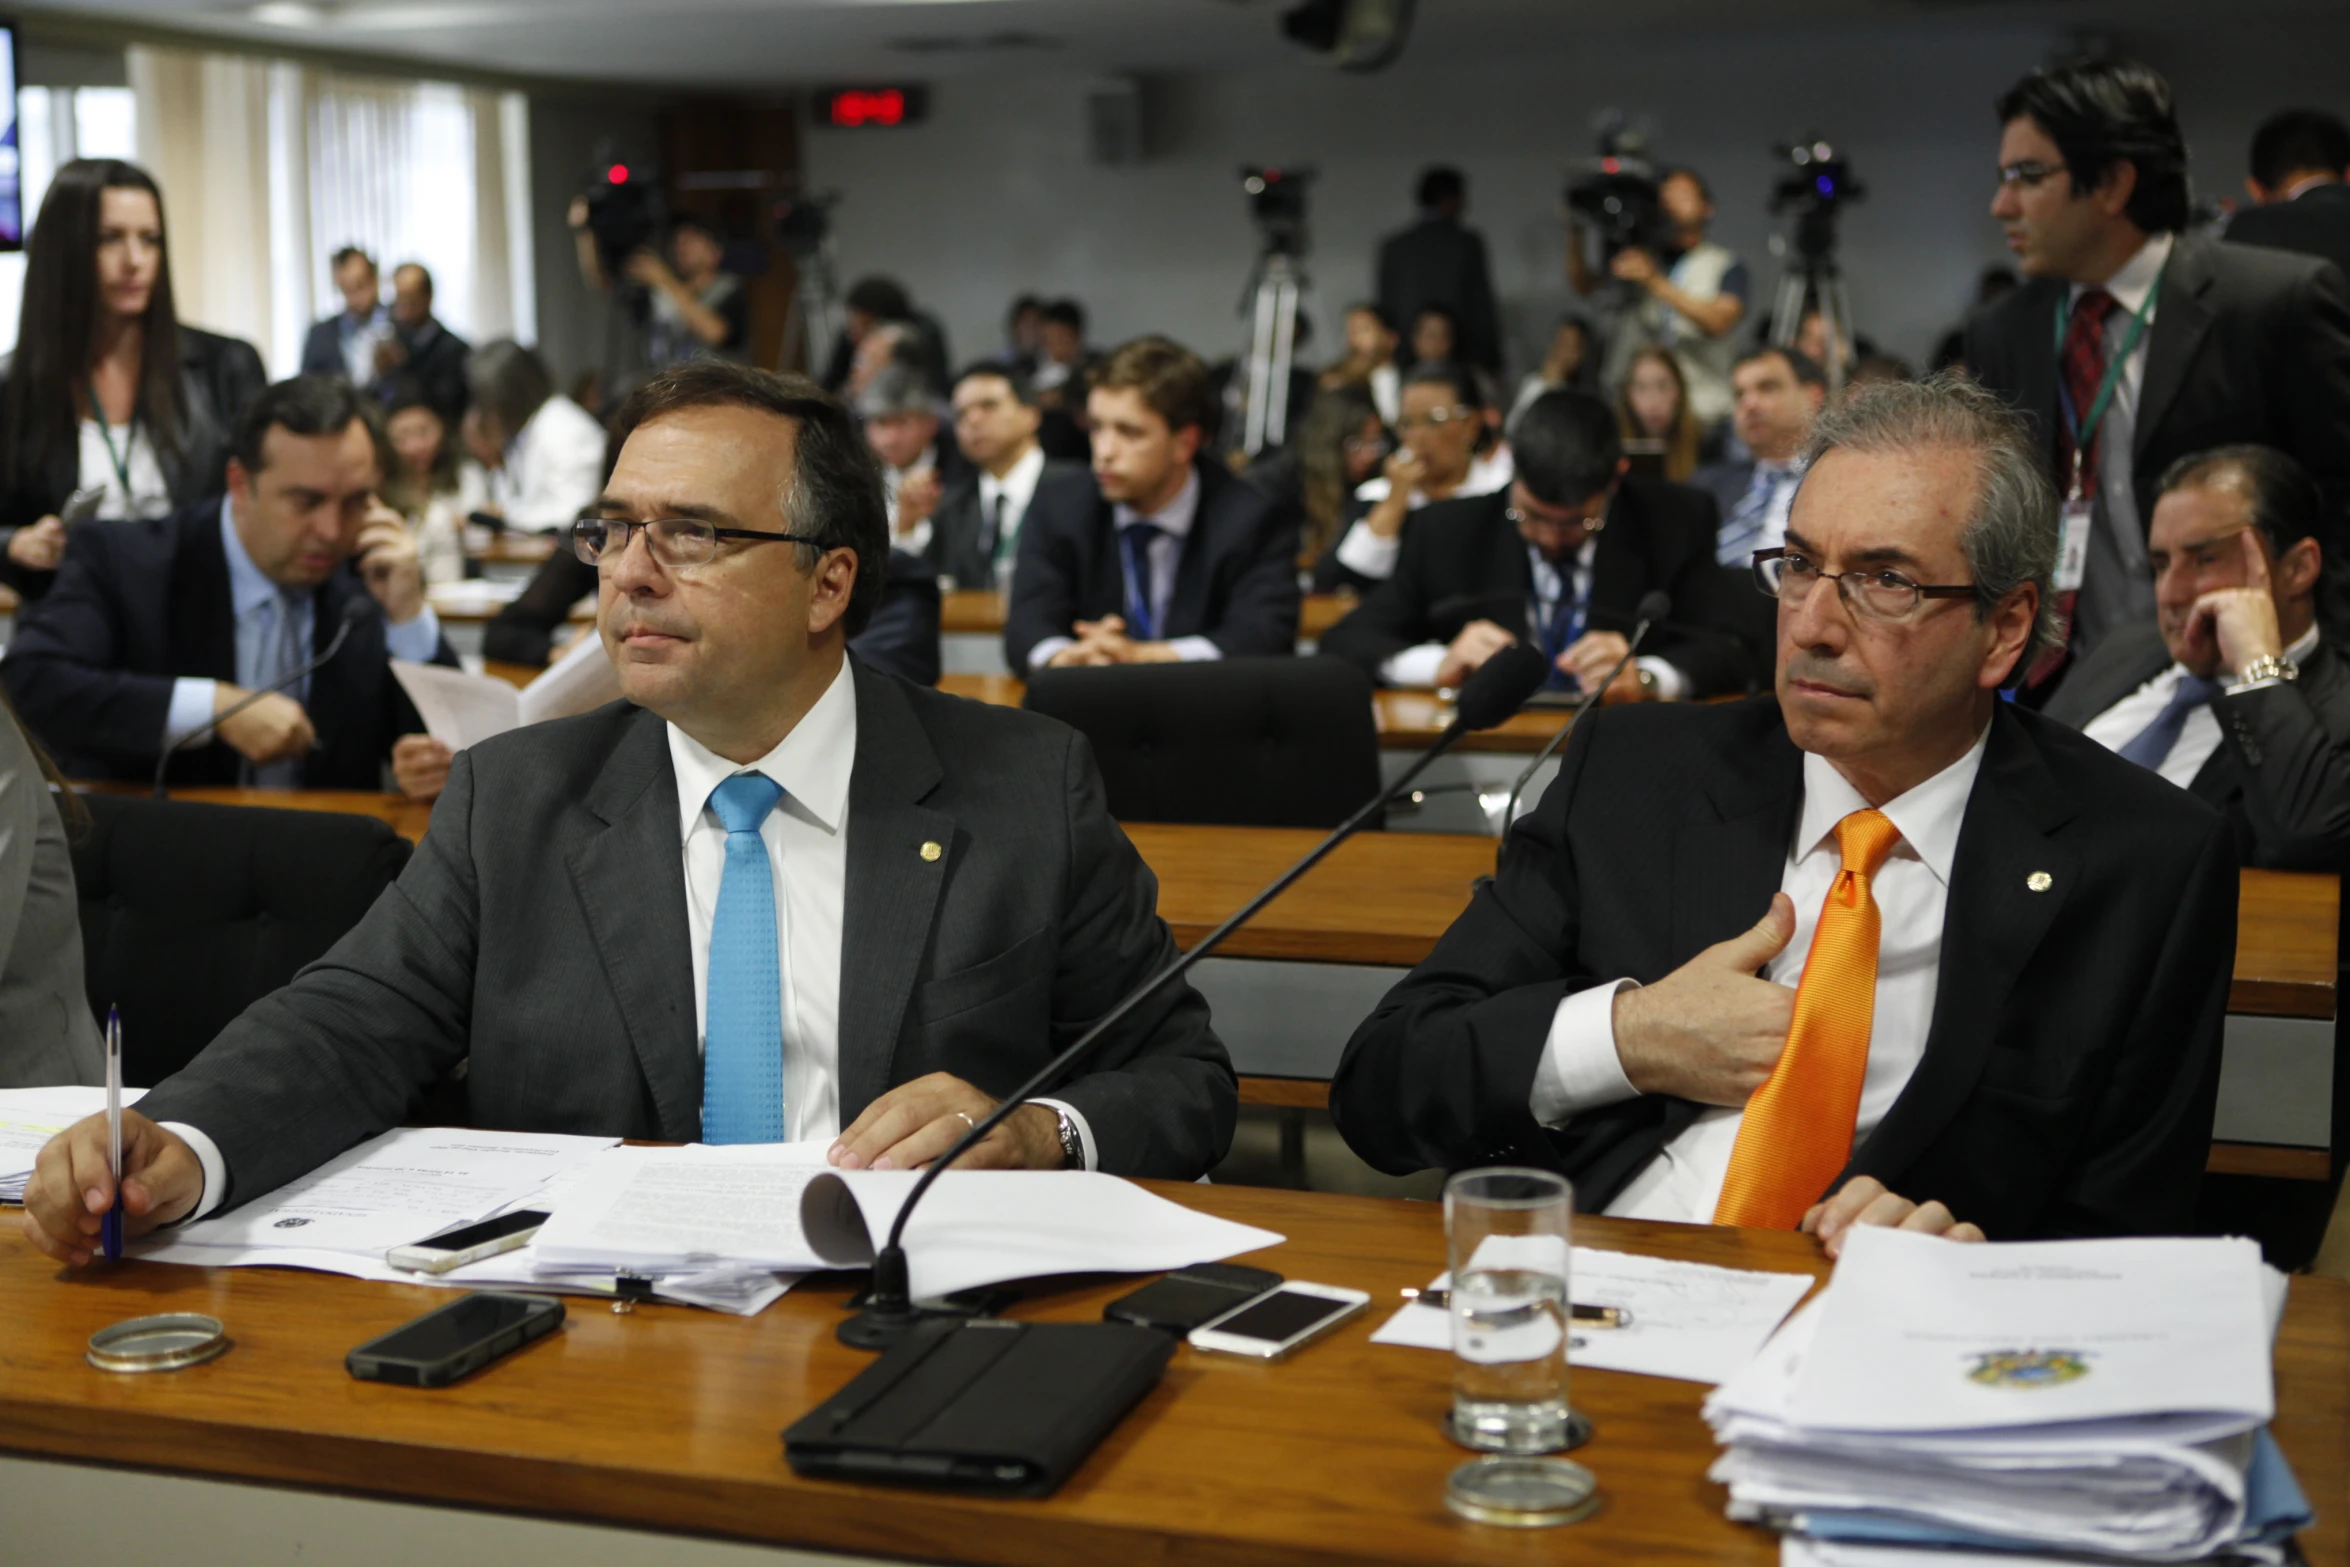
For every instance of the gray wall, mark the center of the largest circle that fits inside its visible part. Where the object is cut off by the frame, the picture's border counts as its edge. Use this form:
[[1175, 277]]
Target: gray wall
[[994, 195], [569, 132]]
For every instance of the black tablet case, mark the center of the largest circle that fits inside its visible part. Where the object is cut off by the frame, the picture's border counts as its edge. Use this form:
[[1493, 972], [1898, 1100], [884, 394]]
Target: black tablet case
[[984, 1405]]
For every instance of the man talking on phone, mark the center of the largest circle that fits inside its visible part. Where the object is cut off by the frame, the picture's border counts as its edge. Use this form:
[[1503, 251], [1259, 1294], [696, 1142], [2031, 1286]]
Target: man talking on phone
[[1883, 950], [773, 895], [155, 628]]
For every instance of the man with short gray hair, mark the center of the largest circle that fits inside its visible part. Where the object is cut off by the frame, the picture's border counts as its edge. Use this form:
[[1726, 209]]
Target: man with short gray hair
[[1993, 957]]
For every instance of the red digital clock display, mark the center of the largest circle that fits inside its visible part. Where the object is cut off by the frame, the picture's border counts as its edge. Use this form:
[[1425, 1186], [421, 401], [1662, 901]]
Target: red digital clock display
[[856, 108]]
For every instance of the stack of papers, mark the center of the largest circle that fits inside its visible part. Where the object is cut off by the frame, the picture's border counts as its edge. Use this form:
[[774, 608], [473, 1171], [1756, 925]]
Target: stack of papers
[[29, 1117], [2107, 1398], [459, 709]]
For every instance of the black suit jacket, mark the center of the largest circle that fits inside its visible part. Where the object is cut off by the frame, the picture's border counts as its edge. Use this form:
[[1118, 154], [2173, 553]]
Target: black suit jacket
[[435, 362], [2281, 774], [1463, 560], [1235, 584], [540, 935], [2247, 345], [962, 544], [322, 348], [1439, 261], [140, 604], [2315, 223], [2073, 1058]]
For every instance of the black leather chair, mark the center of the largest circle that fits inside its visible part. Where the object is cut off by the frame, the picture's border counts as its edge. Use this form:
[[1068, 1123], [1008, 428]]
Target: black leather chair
[[1257, 742], [191, 913]]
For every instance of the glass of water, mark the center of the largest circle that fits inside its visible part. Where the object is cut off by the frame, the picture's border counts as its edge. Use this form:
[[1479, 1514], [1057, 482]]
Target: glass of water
[[1508, 1235]]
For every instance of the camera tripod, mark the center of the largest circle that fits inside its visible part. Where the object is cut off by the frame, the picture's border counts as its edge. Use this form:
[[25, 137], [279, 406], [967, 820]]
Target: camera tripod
[[814, 320], [1815, 278], [1272, 350]]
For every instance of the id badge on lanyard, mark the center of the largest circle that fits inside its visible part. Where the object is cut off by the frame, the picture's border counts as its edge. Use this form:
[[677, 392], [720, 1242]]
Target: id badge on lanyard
[[2072, 541], [2077, 517]]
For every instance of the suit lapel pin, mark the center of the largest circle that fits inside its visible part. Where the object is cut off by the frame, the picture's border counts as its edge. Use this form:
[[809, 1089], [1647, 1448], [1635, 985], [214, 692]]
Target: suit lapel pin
[[931, 851], [2039, 881]]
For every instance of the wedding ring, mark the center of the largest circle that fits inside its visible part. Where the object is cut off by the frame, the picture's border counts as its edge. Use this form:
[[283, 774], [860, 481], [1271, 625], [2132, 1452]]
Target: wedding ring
[[967, 1121]]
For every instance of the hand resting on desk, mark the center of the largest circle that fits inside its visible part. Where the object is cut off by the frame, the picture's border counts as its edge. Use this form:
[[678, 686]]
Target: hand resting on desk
[[916, 1122], [71, 1188]]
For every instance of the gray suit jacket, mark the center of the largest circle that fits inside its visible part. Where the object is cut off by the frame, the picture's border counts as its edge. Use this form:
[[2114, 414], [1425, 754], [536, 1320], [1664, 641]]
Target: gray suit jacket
[[46, 1035], [540, 933]]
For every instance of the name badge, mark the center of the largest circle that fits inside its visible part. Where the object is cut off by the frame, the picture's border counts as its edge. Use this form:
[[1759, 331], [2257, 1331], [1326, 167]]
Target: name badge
[[2072, 546]]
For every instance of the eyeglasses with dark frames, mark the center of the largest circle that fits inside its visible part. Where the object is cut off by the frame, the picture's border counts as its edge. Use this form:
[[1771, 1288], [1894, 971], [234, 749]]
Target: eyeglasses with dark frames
[[1790, 575], [2028, 173], [674, 541]]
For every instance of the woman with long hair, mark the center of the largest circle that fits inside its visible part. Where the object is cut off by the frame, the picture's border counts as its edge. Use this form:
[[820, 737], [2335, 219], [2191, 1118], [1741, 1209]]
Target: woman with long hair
[[1335, 447], [1653, 408], [110, 408], [431, 483]]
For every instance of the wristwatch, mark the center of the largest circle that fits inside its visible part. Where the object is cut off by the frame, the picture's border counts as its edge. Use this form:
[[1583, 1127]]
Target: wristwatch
[[1072, 1145], [2267, 667], [1647, 679]]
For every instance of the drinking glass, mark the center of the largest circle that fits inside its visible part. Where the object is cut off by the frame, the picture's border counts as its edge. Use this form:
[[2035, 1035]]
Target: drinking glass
[[1507, 1232]]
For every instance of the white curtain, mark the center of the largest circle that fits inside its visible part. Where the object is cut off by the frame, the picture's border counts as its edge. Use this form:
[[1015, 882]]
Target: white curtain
[[269, 167]]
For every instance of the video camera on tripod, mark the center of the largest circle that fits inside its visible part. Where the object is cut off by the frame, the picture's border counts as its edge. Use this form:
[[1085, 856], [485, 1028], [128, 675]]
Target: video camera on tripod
[[624, 213], [1816, 192], [1277, 202], [1616, 193], [803, 224]]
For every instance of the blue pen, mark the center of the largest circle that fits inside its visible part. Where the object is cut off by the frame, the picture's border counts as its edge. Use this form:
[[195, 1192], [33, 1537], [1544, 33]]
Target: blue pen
[[110, 1229]]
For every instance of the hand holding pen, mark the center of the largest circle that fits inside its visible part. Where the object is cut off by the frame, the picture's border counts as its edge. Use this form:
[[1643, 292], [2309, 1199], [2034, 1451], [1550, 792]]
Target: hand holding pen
[[110, 1230]]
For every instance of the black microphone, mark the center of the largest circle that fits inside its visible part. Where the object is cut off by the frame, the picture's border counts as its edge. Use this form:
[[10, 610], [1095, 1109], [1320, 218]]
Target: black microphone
[[1654, 606], [1498, 688], [355, 609]]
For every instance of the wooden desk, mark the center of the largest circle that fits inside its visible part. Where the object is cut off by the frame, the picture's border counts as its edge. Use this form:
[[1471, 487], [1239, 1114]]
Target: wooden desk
[[668, 1418], [980, 612], [513, 548]]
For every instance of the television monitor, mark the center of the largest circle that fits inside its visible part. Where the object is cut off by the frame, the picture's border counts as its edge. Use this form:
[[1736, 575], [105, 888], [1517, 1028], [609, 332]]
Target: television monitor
[[11, 154]]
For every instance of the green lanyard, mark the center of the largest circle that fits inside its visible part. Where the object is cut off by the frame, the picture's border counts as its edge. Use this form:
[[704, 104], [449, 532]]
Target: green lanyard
[[121, 459], [2084, 431]]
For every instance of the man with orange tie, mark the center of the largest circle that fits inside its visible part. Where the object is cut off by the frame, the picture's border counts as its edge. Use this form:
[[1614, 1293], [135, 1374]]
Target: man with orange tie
[[1885, 949]]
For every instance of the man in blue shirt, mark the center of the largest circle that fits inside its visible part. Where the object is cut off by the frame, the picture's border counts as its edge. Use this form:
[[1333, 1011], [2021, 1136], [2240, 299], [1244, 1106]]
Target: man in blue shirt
[[345, 343]]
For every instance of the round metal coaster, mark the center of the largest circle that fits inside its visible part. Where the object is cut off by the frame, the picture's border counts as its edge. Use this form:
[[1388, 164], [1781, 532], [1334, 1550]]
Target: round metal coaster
[[1578, 1433], [166, 1343], [1522, 1493]]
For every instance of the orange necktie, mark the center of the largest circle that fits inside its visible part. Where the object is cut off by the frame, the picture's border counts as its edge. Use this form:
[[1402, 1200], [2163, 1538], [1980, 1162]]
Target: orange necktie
[[1798, 1127]]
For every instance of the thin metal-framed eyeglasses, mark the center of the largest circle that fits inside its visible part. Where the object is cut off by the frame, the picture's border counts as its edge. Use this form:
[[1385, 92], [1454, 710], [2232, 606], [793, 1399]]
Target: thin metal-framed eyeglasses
[[2028, 173], [1789, 575], [1518, 517], [1438, 417], [674, 541]]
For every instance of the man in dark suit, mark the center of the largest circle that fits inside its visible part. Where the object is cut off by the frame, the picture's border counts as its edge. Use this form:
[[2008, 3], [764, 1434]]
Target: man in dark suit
[[770, 896], [422, 350], [154, 627], [2300, 159], [1995, 957], [2160, 343], [1440, 261], [2232, 692], [1561, 557], [1159, 554], [345, 343], [975, 532]]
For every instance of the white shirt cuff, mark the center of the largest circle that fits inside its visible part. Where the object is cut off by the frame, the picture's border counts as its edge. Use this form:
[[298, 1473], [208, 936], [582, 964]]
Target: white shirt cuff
[[1414, 666], [207, 1154], [1042, 654], [1076, 1119], [414, 640], [1671, 684], [1367, 555], [1580, 1069], [190, 710], [913, 540], [1195, 650]]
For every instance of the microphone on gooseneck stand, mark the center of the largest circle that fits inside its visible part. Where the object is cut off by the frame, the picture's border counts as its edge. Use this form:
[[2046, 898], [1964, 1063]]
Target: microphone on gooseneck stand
[[1653, 607], [1499, 688], [355, 609]]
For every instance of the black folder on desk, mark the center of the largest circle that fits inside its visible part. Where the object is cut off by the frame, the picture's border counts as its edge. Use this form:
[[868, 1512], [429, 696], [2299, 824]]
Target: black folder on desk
[[985, 1405]]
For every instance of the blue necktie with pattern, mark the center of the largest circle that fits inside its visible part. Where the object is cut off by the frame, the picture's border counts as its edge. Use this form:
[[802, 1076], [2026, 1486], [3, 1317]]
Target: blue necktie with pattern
[[1742, 534], [742, 1046], [2152, 744], [1135, 540]]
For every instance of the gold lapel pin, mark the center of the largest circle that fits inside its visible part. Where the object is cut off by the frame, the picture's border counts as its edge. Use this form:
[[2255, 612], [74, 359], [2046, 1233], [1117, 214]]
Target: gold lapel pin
[[2039, 881], [931, 851]]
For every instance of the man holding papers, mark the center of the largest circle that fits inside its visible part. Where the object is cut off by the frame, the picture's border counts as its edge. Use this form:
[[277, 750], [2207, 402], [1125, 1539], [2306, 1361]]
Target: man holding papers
[[774, 896], [1993, 957]]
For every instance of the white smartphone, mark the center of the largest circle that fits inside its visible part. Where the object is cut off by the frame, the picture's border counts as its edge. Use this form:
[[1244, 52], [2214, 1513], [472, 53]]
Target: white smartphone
[[1275, 1326], [470, 1243]]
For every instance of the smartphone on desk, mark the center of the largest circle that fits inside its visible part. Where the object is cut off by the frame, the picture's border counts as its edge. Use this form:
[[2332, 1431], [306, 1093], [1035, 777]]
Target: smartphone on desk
[[469, 1243], [1278, 1325], [456, 1340], [1190, 1296]]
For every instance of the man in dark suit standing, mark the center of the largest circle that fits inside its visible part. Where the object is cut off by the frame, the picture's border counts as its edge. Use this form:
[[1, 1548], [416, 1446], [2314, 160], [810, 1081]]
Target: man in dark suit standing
[[2232, 691], [1995, 957], [975, 532], [770, 896], [2133, 344], [1160, 554], [1440, 261], [154, 627], [2300, 159], [1561, 557], [421, 349]]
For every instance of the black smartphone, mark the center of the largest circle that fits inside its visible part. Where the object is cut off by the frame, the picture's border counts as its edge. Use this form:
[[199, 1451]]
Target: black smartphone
[[1190, 1296], [455, 1340]]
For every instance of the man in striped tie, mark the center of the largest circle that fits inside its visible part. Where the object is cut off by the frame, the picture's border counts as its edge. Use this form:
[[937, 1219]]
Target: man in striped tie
[[1883, 950], [1779, 393]]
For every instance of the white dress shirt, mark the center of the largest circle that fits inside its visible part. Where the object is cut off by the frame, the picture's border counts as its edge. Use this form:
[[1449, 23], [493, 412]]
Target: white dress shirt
[[1366, 554], [1014, 490], [1174, 521], [1580, 1069], [2199, 736], [148, 494], [553, 468]]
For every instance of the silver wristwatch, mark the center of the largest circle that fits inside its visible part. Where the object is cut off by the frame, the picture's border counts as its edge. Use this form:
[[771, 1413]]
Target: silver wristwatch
[[1072, 1145], [2267, 667]]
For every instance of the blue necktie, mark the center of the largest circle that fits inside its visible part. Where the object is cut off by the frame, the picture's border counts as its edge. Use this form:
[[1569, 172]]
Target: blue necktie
[[282, 653], [1135, 540], [2153, 743], [742, 1048], [1563, 627], [1742, 534]]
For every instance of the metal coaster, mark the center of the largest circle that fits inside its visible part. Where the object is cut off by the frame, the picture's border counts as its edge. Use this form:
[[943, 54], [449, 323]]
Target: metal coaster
[[1522, 1493], [166, 1343], [1578, 1433]]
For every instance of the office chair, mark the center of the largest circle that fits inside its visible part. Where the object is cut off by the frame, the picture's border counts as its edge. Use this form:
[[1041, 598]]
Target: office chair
[[1260, 742], [191, 913]]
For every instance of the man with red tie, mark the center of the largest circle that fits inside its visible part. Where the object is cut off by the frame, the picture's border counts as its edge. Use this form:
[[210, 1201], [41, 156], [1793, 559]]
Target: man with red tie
[[1884, 950]]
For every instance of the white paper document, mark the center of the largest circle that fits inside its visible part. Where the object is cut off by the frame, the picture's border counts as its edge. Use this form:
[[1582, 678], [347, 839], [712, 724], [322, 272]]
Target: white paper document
[[1688, 1320], [461, 709], [657, 1211], [29, 1117]]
